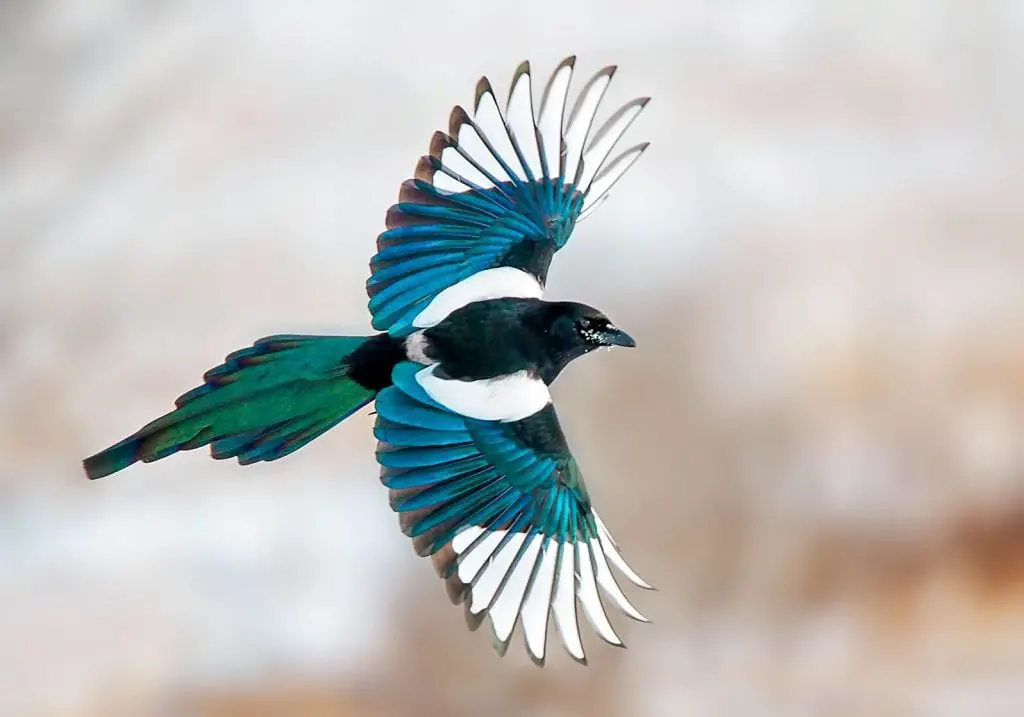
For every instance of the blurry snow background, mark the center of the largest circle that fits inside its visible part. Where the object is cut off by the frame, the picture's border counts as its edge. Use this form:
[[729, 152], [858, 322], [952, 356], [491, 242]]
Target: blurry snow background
[[816, 454]]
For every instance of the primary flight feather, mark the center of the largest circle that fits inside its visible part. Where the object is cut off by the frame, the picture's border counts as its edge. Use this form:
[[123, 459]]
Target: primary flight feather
[[469, 444]]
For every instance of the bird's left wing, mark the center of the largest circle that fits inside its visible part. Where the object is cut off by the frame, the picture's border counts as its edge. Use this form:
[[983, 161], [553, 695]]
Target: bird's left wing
[[503, 510], [496, 197]]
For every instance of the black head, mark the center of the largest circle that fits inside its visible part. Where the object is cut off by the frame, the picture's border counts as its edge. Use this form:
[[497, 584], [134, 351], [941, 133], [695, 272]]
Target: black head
[[573, 330], [593, 329]]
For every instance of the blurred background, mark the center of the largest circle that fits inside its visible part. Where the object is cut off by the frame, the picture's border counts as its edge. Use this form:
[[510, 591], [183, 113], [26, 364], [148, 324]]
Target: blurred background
[[816, 454]]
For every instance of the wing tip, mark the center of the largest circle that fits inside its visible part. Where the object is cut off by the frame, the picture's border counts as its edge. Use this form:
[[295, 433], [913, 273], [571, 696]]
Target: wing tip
[[523, 68], [456, 118], [500, 646], [473, 619], [483, 87], [440, 141], [425, 169]]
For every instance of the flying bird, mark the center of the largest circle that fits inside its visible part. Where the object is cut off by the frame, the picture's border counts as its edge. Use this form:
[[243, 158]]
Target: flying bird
[[469, 443]]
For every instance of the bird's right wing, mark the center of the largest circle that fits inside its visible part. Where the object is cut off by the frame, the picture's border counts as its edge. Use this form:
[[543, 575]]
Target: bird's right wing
[[496, 197], [502, 508]]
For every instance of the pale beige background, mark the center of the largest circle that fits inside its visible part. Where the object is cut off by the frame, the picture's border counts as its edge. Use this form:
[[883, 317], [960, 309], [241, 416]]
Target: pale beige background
[[817, 452]]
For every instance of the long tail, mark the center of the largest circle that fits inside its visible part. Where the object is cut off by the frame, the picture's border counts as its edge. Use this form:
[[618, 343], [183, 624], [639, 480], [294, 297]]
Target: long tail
[[265, 401]]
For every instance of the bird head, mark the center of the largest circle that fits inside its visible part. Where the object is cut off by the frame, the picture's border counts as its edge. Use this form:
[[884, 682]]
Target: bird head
[[580, 329]]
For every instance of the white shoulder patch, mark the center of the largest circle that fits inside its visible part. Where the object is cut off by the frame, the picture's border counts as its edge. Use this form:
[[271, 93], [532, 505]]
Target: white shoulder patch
[[505, 398], [499, 283]]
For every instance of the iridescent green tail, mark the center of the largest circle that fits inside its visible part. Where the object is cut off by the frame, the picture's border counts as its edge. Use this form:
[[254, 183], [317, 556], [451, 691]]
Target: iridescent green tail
[[262, 403]]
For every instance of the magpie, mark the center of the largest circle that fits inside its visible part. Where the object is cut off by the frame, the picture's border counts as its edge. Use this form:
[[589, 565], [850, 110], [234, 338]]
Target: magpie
[[469, 443]]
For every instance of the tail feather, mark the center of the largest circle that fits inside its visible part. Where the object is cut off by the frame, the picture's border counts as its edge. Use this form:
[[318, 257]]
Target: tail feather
[[264, 402]]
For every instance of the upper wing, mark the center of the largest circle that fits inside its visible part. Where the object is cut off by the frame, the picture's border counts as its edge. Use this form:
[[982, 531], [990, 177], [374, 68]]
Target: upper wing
[[499, 193], [503, 509]]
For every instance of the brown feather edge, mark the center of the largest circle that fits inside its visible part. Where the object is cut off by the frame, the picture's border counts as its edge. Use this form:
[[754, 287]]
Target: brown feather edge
[[539, 661], [606, 167], [524, 69], [608, 70], [575, 610], [569, 62], [456, 120], [597, 588], [606, 126], [501, 646]]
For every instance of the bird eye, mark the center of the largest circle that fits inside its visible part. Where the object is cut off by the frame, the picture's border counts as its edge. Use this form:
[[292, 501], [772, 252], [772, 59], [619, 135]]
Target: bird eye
[[584, 322]]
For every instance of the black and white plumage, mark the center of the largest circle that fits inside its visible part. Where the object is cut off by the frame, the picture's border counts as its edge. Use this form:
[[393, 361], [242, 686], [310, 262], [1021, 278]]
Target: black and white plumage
[[502, 507], [496, 197], [470, 445]]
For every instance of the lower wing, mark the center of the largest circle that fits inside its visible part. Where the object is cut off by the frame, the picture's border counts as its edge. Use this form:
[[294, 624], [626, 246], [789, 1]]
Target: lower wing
[[503, 510]]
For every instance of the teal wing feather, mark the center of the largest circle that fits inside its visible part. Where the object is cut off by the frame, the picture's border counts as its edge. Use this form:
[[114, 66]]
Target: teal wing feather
[[504, 511], [499, 189]]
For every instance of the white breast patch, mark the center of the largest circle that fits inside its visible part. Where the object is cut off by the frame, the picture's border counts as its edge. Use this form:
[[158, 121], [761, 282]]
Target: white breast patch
[[512, 397]]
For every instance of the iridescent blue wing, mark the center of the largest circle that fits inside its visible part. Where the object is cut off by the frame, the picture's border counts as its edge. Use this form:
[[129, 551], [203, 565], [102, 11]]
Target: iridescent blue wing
[[499, 193], [504, 512]]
